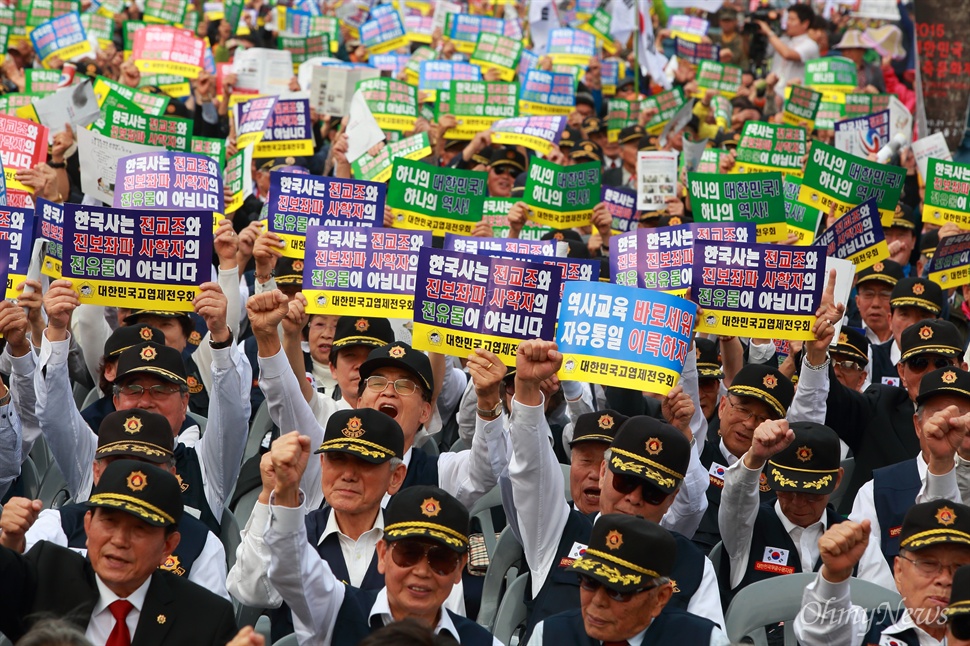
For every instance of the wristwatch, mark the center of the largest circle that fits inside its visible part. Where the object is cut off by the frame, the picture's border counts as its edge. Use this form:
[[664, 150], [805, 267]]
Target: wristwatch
[[490, 413]]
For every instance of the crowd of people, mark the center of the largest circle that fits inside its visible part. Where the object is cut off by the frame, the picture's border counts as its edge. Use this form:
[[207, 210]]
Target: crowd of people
[[640, 517]]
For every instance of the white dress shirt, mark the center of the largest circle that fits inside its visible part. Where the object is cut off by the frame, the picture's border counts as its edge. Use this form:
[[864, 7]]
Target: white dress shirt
[[718, 637], [103, 622]]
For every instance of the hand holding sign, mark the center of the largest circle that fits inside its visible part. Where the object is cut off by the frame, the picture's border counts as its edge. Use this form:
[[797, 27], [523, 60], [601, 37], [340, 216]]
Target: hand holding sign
[[14, 326]]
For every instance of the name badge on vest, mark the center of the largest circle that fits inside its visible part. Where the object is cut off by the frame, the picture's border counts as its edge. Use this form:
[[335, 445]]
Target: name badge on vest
[[717, 472], [892, 381], [775, 560], [894, 532], [576, 552]]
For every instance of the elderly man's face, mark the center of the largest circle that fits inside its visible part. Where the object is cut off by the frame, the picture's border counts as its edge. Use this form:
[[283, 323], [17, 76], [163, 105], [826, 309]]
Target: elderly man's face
[[410, 411], [924, 579], [609, 620], [125, 550], [584, 475], [501, 179], [168, 400]]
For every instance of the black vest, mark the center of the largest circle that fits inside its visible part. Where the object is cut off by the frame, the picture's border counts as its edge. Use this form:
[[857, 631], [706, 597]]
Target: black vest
[[189, 473], [353, 624], [194, 535], [894, 491], [422, 470], [329, 551], [882, 362], [673, 626], [198, 395], [880, 620]]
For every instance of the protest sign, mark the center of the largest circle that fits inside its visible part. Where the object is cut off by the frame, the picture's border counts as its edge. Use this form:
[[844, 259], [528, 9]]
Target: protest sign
[[251, 118], [477, 105], [384, 32], [656, 178], [98, 156], [689, 28], [465, 301], [463, 29], [394, 104], [950, 265], [828, 114], [767, 147], [857, 237], [666, 104], [394, 64], [50, 217], [413, 68], [377, 168], [41, 80], [862, 103], [442, 200], [298, 202], [262, 71], [17, 226], [167, 50], [863, 136], [547, 93], [214, 149], [562, 197], [361, 272], [720, 77], [610, 76], [943, 56], [930, 147], [239, 178], [802, 220], [438, 75], [495, 210], [623, 336], [23, 145], [305, 47], [332, 87], [801, 106], [571, 46], [38, 12], [493, 51], [756, 197], [831, 74], [758, 290], [419, 29], [173, 133], [62, 37], [835, 177], [151, 104], [599, 25], [696, 53], [170, 180], [535, 133], [170, 11], [947, 190], [474, 244], [622, 204], [621, 114], [288, 131], [137, 259], [710, 160]]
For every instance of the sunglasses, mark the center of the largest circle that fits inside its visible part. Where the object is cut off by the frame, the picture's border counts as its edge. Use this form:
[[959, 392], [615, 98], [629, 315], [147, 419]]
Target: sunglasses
[[919, 364], [590, 584], [441, 560], [625, 485], [503, 170]]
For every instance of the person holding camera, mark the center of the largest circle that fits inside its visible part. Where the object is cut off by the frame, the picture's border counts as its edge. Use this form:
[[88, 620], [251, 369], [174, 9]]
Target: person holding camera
[[794, 49]]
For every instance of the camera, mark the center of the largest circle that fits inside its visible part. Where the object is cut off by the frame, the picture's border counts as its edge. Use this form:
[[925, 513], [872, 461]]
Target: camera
[[758, 45]]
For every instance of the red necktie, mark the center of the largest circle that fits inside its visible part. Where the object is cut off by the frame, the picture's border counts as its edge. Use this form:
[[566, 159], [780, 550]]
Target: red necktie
[[622, 643], [119, 634]]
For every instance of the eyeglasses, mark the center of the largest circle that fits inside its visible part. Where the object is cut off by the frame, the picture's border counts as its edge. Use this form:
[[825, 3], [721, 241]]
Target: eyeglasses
[[922, 362], [625, 485], [932, 567], [156, 392], [441, 560], [746, 413], [869, 294], [503, 170], [847, 365], [590, 584], [401, 386]]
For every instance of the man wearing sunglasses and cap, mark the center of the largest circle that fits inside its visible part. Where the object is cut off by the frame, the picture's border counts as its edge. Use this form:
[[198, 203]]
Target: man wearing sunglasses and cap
[[421, 555], [934, 544], [641, 475], [117, 594], [912, 300], [625, 585]]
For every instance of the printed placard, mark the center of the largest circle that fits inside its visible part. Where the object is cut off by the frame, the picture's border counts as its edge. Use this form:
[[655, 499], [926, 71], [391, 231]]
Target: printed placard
[[766, 147], [298, 202], [51, 218], [623, 336], [801, 106], [251, 118], [170, 11], [950, 265], [438, 75], [137, 259], [863, 136], [857, 236], [463, 29], [610, 76], [758, 290], [828, 114], [362, 272], [23, 145], [378, 167], [861, 104], [571, 46], [947, 188], [666, 104], [690, 28], [493, 51], [599, 25], [467, 301], [721, 77], [622, 204], [288, 131], [535, 133], [831, 74], [173, 133], [170, 180], [757, 198], [305, 47], [239, 178], [166, 50], [656, 178], [441, 200], [547, 93], [562, 197], [478, 104], [151, 104], [695, 53], [214, 149], [929, 147], [384, 32], [38, 12], [802, 220], [394, 104], [62, 37], [621, 114], [17, 226], [835, 177]]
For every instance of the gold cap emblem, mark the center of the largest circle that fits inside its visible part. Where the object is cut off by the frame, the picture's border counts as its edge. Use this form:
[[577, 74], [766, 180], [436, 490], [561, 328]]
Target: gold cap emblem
[[946, 516], [770, 381], [843, 338], [396, 352], [605, 421], [654, 446], [133, 425], [145, 333], [354, 428], [148, 353], [878, 267], [137, 481], [430, 507], [297, 265], [949, 377], [926, 332], [362, 325], [614, 540], [161, 619], [918, 289], [804, 454]]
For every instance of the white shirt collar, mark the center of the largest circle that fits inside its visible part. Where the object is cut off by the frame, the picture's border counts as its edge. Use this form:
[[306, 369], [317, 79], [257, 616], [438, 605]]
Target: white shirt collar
[[382, 609], [333, 528], [894, 352], [106, 597], [790, 526], [906, 623], [730, 457]]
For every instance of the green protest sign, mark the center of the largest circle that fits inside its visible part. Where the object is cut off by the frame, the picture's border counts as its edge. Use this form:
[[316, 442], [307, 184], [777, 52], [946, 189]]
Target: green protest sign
[[170, 84], [947, 187], [801, 107], [101, 27], [10, 103], [173, 133], [711, 160], [412, 71], [442, 200], [41, 11], [721, 77], [666, 104], [757, 198], [128, 29], [495, 212], [842, 179], [620, 114], [767, 147], [214, 148], [861, 104], [394, 104], [562, 197], [802, 220], [166, 11], [153, 104], [304, 48], [377, 168], [478, 104], [499, 52], [328, 25], [237, 175], [832, 74], [722, 110], [599, 25], [39, 80], [828, 113]]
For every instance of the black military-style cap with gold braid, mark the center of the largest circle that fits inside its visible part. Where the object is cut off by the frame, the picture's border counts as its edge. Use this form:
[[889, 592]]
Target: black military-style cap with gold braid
[[598, 426], [934, 523], [365, 433], [362, 330], [905, 217], [593, 125], [136, 433], [507, 156], [708, 359], [651, 450], [152, 359], [928, 242], [423, 511], [944, 381], [132, 318], [854, 344], [140, 489], [886, 271], [917, 292], [289, 271], [810, 464], [626, 552], [958, 612], [129, 335], [764, 383], [930, 336], [400, 355], [630, 134]]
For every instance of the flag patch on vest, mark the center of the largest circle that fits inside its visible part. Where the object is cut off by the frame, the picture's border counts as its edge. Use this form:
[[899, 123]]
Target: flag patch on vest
[[888, 640], [717, 472], [577, 551], [774, 560], [891, 381]]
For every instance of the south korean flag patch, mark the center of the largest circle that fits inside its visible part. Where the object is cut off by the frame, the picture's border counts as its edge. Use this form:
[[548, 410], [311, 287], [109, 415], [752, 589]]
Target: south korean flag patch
[[890, 640], [775, 555]]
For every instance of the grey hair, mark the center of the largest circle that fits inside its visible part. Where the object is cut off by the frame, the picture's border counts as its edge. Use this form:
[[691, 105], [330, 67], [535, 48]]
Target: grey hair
[[54, 632], [395, 462]]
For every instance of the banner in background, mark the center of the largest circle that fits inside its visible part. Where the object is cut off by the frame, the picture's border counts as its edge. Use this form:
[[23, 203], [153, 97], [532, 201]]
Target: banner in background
[[441, 200], [757, 198], [535, 133], [857, 237], [947, 191], [765, 147], [950, 265], [943, 45]]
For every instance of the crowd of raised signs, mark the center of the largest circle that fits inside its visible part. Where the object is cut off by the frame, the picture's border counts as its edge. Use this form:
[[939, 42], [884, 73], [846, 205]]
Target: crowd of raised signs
[[431, 322]]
